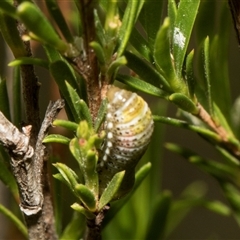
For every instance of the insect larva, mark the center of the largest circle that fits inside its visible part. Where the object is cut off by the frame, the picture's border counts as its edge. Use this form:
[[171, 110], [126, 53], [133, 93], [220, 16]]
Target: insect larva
[[128, 127]]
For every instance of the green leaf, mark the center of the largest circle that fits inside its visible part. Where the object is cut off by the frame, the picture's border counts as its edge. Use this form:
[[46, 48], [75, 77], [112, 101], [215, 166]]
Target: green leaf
[[219, 49], [4, 101], [116, 206], [146, 72], [18, 223], [31, 16], [143, 86], [230, 159], [68, 175], [140, 44], [207, 75], [72, 126], [221, 118], [128, 22], [172, 14], [218, 207], [86, 197], [101, 115], [115, 65], [159, 218], [75, 228], [79, 107], [218, 170], [11, 35], [183, 25], [53, 8], [8, 9], [233, 196], [56, 138], [190, 74], [182, 124], [83, 211], [111, 189], [29, 61], [100, 31], [162, 55], [61, 71], [52, 54], [99, 51], [150, 17], [183, 102], [75, 150]]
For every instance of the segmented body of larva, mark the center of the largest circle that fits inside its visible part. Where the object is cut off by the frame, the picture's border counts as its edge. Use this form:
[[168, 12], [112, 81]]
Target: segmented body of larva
[[129, 126]]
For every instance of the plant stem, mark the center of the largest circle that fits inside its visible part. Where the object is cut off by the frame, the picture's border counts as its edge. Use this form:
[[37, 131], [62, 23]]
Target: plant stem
[[220, 130], [88, 66]]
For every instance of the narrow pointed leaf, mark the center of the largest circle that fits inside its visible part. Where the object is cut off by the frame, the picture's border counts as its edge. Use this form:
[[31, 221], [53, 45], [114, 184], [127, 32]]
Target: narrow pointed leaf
[[11, 35], [80, 107], [141, 85], [99, 51], [182, 124], [206, 55], [68, 174], [146, 72], [56, 138], [150, 17], [116, 64], [190, 74], [186, 15], [140, 44], [86, 196], [8, 9], [101, 115], [111, 190], [219, 49], [65, 124], [183, 102], [128, 22], [31, 17], [218, 207], [172, 14], [116, 206], [56, 13], [83, 211], [162, 55], [29, 61]]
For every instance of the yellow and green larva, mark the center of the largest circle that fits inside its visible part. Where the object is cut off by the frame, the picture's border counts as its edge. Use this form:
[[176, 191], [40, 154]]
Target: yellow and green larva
[[129, 126]]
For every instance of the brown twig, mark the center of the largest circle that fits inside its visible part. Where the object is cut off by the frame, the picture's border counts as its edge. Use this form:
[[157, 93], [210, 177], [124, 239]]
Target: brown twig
[[30, 172], [235, 11], [88, 66], [220, 130], [94, 225]]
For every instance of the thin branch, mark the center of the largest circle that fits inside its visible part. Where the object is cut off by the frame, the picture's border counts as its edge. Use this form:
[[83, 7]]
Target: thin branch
[[235, 11], [31, 176], [220, 130], [88, 66], [94, 225]]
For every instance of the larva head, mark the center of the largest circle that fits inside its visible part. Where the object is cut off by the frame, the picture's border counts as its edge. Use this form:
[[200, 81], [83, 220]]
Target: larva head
[[128, 127]]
